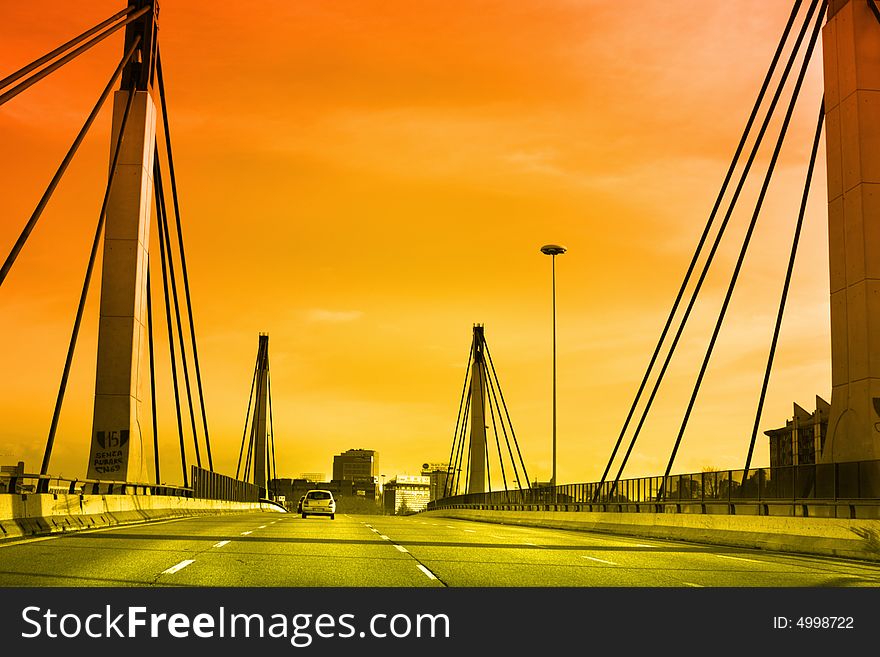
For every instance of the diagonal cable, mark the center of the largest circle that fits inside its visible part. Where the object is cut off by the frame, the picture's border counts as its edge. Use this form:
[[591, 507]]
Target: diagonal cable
[[783, 130], [39, 75], [183, 267], [703, 237], [717, 241], [785, 287], [44, 200]]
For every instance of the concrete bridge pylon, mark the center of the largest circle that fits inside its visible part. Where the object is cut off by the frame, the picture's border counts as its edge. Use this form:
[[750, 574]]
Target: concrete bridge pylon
[[851, 45]]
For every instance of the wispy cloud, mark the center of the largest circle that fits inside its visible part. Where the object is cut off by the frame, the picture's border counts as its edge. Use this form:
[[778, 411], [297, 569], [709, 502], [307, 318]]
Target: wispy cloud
[[333, 316]]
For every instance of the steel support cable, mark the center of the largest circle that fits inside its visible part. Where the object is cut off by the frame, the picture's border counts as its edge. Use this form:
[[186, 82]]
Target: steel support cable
[[165, 288], [44, 200], [874, 9], [20, 73], [785, 287], [247, 463], [716, 243], [39, 75], [271, 425], [77, 322], [460, 446], [494, 425], [467, 473], [460, 435], [458, 416], [463, 442], [783, 130], [494, 399], [253, 437], [507, 415], [485, 445], [176, 299], [247, 415], [465, 446], [183, 267], [687, 277], [152, 374]]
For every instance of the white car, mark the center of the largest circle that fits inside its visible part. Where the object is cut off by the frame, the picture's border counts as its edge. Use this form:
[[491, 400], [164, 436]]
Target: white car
[[319, 503]]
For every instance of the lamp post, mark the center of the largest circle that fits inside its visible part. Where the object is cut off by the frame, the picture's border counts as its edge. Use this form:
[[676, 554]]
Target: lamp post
[[553, 250]]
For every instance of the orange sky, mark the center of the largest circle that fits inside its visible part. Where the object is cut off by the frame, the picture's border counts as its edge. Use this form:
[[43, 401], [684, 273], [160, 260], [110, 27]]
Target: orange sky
[[366, 180]]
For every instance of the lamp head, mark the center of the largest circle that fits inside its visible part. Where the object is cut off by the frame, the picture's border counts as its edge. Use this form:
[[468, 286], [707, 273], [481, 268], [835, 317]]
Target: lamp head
[[553, 249]]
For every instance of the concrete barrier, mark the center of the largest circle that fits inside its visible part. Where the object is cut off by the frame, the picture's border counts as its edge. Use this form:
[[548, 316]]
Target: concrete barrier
[[851, 539], [24, 515]]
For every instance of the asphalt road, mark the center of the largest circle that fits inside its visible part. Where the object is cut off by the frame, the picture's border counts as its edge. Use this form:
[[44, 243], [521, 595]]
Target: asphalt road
[[271, 549]]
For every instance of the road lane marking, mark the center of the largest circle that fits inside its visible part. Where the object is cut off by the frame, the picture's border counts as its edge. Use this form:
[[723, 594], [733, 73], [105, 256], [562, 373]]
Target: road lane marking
[[534, 545], [724, 556], [450, 526], [610, 563], [384, 538], [262, 527], [245, 533], [471, 531], [180, 566], [426, 571], [401, 548], [221, 544], [698, 586]]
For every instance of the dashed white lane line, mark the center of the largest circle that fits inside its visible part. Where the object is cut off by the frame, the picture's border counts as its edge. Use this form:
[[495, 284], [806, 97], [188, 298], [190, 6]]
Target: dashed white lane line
[[697, 586], [534, 545], [246, 533], [610, 563], [384, 538], [426, 571], [401, 548], [471, 531], [180, 566], [220, 544], [262, 527], [725, 556]]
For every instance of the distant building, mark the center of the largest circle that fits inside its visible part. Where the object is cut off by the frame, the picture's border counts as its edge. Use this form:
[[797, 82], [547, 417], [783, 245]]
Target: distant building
[[437, 474], [361, 468], [313, 476], [407, 494], [356, 465], [802, 439]]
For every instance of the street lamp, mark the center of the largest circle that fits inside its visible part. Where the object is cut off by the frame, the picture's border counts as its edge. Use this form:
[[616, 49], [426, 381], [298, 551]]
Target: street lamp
[[554, 250]]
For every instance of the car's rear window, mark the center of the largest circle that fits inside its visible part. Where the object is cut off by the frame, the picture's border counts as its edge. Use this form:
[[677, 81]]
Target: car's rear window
[[319, 495]]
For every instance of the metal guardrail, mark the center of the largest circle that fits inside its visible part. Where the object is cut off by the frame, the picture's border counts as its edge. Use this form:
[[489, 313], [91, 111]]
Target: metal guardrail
[[205, 485], [851, 485], [36, 483], [209, 485]]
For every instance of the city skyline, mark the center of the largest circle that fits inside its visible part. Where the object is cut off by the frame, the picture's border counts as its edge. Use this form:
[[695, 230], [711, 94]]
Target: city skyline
[[365, 182]]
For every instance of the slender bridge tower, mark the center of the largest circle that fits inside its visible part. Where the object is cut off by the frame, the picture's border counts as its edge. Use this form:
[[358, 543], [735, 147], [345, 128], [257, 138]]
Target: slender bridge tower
[[116, 451], [851, 43], [477, 454], [261, 416]]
